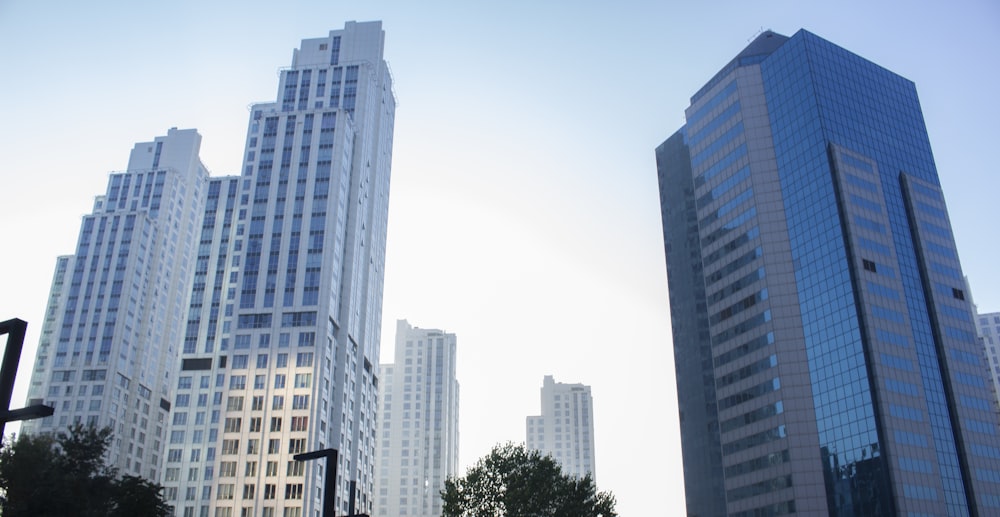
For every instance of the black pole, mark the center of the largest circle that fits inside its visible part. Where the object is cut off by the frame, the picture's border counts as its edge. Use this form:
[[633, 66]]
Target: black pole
[[329, 478], [350, 504], [15, 329], [330, 484]]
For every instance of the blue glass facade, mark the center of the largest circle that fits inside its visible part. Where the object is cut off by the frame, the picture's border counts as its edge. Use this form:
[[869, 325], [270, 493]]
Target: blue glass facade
[[816, 191]]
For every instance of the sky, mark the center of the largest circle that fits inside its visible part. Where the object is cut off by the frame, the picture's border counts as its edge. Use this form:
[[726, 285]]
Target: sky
[[524, 211]]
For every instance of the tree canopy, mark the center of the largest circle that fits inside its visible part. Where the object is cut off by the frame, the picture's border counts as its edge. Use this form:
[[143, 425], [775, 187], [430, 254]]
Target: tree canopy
[[65, 475], [512, 481]]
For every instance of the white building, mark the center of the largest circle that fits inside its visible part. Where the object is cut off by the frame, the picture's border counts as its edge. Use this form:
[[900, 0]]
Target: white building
[[565, 429], [109, 341], [281, 342], [418, 444], [988, 326]]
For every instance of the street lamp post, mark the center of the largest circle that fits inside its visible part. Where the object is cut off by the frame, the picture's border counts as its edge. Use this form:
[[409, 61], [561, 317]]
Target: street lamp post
[[14, 329], [329, 480]]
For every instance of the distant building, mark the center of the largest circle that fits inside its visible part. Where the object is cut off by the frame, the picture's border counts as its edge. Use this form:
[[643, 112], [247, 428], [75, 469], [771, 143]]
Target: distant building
[[116, 311], [565, 429], [827, 362], [988, 326], [418, 443]]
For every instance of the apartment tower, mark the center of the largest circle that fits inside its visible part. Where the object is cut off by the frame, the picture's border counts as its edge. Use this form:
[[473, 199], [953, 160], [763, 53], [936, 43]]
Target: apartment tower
[[115, 317], [565, 429], [826, 357], [418, 443], [988, 325], [280, 347]]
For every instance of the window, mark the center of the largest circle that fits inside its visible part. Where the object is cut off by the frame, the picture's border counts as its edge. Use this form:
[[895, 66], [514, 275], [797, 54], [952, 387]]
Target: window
[[240, 361], [295, 468], [269, 490], [227, 469], [273, 446], [225, 491], [296, 445], [279, 381], [271, 469], [303, 380], [278, 402], [248, 491], [300, 401], [869, 265], [299, 423], [234, 404], [257, 403], [230, 446], [233, 425], [253, 446], [958, 293], [251, 469], [304, 359], [255, 424], [276, 424], [292, 491]]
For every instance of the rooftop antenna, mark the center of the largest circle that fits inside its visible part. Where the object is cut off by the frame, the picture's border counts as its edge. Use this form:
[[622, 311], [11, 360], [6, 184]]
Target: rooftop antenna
[[758, 33]]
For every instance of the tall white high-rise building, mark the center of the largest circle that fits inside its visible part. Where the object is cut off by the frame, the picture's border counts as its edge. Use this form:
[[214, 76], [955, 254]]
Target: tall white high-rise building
[[565, 429], [116, 308], [418, 444], [988, 325], [281, 345]]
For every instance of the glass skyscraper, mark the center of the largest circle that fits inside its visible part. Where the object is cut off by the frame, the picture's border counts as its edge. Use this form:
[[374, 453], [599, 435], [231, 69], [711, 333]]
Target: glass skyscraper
[[826, 356]]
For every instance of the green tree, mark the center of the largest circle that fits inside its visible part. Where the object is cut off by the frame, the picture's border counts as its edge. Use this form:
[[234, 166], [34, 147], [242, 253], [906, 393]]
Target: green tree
[[65, 475], [515, 482], [134, 495]]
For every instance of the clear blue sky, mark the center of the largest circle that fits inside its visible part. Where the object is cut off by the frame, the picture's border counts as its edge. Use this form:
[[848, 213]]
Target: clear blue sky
[[524, 213]]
